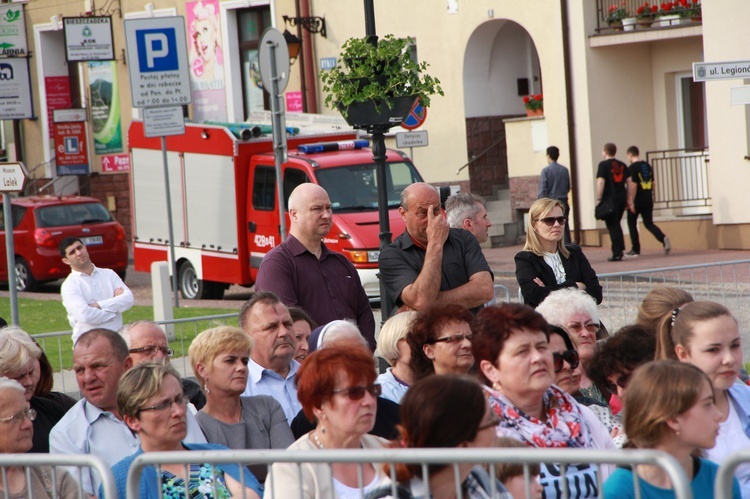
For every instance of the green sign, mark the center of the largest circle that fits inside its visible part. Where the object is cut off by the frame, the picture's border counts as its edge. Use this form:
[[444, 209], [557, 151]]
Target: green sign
[[105, 107]]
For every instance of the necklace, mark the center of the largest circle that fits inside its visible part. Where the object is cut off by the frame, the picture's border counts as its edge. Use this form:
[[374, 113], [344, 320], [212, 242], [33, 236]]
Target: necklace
[[317, 441]]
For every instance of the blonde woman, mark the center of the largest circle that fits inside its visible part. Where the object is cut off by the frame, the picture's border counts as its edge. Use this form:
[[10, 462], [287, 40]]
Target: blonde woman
[[394, 348], [546, 263]]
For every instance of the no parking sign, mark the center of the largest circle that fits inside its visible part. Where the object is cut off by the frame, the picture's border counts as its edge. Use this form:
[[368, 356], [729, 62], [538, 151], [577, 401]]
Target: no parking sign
[[417, 116]]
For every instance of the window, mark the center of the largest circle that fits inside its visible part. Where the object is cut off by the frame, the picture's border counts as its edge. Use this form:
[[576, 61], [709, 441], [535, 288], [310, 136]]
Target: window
[[71, 214], [16, 211], [250, 24], [264, 188], [691, 112], [292, 179]]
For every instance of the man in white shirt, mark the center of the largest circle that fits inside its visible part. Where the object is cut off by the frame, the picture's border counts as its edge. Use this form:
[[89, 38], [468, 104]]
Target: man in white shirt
[[272, 366], [93, 297], [94, 425]]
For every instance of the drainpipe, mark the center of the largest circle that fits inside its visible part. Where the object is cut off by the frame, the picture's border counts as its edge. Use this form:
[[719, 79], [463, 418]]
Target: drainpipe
[[307, 66], [572, 143]]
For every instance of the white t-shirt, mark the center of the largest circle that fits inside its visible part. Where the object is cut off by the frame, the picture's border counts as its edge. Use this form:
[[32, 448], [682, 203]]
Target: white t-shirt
[[732, 438], [346, 492]]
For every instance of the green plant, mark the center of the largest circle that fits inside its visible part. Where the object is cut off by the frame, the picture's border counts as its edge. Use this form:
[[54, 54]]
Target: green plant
[[616, 13], [534, 102], [374, 72]]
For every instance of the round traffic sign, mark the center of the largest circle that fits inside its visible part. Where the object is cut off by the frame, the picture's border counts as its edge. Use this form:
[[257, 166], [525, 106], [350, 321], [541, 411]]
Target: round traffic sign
[[273, 46], [417, 116]]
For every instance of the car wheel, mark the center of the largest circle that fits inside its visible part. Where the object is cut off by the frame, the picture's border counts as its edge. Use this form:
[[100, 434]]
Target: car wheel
[[190, 286], [24, 279]]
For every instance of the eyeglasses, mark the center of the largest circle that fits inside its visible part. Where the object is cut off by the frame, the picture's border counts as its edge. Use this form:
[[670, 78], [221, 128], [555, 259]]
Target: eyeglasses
[[18, 417], [180, 400], [358, 392], [569, 356], [591, 327], [622, 382], [152, 349], [550, 221], [454, 338], [493, 421]]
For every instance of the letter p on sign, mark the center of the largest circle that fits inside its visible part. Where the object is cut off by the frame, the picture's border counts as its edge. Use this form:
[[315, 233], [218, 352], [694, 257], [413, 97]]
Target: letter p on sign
[[157, 50]]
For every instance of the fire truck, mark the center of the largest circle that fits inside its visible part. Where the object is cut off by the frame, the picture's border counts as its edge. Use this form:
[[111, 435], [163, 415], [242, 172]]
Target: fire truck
[[225, 205]]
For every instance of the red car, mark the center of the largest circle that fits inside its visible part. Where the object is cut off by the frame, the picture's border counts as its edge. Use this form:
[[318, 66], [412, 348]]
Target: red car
[[41, 222]]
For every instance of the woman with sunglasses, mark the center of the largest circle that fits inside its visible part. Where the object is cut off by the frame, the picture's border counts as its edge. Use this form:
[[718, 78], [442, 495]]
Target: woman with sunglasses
[[512, 347], [219, 357], [440, 341], [152, 404], [336, 387], [546, 263]]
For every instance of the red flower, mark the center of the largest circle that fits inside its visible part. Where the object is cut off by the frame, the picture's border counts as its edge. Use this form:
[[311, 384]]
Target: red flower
[[526, 99]]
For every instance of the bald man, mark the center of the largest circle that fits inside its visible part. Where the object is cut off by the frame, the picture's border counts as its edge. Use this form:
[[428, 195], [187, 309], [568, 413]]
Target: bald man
[[430, 263], [304, 273]]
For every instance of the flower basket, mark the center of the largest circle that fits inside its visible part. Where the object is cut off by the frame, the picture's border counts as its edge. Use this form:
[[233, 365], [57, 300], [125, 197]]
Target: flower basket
[[384, 112], [629, 23], [534, 112], [534, 105]]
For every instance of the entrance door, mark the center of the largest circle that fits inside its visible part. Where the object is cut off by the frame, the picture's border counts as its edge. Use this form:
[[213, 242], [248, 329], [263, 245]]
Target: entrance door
[[691, 113]]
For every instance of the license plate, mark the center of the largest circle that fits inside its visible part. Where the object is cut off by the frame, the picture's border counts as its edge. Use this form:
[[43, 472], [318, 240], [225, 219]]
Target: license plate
[[92, 240]]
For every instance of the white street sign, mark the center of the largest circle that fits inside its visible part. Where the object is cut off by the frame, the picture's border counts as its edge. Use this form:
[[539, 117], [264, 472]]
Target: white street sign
[[740, 96], [88, 38], [163, 121], [15, 89], [412, 139], [12, 177], [708, 71], [68, 115], [158, 62]]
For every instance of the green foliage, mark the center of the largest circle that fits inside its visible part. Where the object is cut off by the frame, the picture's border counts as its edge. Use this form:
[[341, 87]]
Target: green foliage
[[372, 72]]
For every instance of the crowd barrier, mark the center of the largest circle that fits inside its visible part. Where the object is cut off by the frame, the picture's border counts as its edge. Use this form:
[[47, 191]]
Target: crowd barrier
[[452, 457], [29, 461], [723, 485]]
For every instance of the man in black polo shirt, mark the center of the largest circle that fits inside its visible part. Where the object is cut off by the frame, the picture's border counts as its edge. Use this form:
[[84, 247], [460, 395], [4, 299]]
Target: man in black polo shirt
[[430, 263]]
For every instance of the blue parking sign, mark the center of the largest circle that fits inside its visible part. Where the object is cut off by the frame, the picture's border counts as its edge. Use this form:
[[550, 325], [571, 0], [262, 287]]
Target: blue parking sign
[[157, 50]]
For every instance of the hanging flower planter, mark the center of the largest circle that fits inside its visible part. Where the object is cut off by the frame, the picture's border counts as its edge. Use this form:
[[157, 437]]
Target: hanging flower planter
[[383, 112]]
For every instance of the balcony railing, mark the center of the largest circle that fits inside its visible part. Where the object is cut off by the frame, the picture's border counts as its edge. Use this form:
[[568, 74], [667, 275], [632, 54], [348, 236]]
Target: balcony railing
[[680, 178], [653, 21]]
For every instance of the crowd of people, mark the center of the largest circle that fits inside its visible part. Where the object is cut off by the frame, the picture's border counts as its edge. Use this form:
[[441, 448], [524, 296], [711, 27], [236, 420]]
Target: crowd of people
[[463, 373]]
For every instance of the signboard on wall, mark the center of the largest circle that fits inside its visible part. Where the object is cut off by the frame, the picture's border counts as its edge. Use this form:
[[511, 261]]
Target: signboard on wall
[[15, 89], [71, 149], [57, 92], [88, 39], [12, 31]]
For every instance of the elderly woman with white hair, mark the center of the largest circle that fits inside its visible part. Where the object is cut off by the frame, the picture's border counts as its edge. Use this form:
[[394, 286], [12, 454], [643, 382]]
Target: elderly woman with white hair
[[16, 433], [575, 311], [19, 361], [394, 348]]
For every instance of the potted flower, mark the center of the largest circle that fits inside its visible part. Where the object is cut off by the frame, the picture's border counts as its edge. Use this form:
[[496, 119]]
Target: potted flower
[[378, 83], [534, 105], [615, 15], [671, 13], [645, 13], [696, 14]]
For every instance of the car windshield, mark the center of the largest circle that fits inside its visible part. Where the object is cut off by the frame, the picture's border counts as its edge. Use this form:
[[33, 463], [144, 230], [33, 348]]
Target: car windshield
[[354, 188], [72, 214]]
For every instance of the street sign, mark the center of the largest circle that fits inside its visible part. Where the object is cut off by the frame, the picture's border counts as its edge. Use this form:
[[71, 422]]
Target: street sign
[[12, 177], [163, 121], [71, 149], [158, 62], [739, 96], [88, 38], [116, 163], [412, 139], [327, 63], [416, 117], [280, 53], [708, 71], [15, 89], [12, 31]]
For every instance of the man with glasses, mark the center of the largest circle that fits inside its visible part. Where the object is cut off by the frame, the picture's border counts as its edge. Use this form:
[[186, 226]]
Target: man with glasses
[[430, 263], [147, 341], [94, 425]]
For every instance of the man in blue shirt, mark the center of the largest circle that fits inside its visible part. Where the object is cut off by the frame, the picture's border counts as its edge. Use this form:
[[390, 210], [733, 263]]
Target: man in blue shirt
[[555, 184]]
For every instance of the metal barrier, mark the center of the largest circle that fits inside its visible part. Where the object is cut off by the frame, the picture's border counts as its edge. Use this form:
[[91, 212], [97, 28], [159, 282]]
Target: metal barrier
[[185, 330], [29, 461], [420, 456], [725, 475], [727, 283]]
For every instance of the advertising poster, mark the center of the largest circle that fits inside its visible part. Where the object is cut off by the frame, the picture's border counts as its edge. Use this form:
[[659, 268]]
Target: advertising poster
[[57, 90], [294, 102], [206, 60], [71, 153], [15, 89], [12, 31], [105, 107]]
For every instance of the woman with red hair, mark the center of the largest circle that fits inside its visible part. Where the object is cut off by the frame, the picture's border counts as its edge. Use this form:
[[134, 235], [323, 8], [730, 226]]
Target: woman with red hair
[[336, 387]]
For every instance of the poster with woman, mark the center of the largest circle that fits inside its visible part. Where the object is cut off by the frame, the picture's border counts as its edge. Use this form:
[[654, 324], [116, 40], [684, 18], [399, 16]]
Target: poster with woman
[[206, 60]]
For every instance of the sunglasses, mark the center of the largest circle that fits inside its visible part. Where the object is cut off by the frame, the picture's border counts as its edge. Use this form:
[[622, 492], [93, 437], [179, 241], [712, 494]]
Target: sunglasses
[[550, 221], [454, 338], [569, 356], [591, 327], [358, 392], [622, 382]]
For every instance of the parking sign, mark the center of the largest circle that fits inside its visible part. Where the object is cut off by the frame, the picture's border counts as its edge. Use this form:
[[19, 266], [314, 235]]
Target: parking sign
[[158, 62]]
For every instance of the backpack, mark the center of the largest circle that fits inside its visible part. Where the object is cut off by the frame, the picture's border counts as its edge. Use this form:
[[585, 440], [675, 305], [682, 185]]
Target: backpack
[[645, 179]]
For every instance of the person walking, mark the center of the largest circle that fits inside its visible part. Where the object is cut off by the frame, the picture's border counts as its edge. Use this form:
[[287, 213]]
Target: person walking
[[555, 183], [641, 202], [612, 182]]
